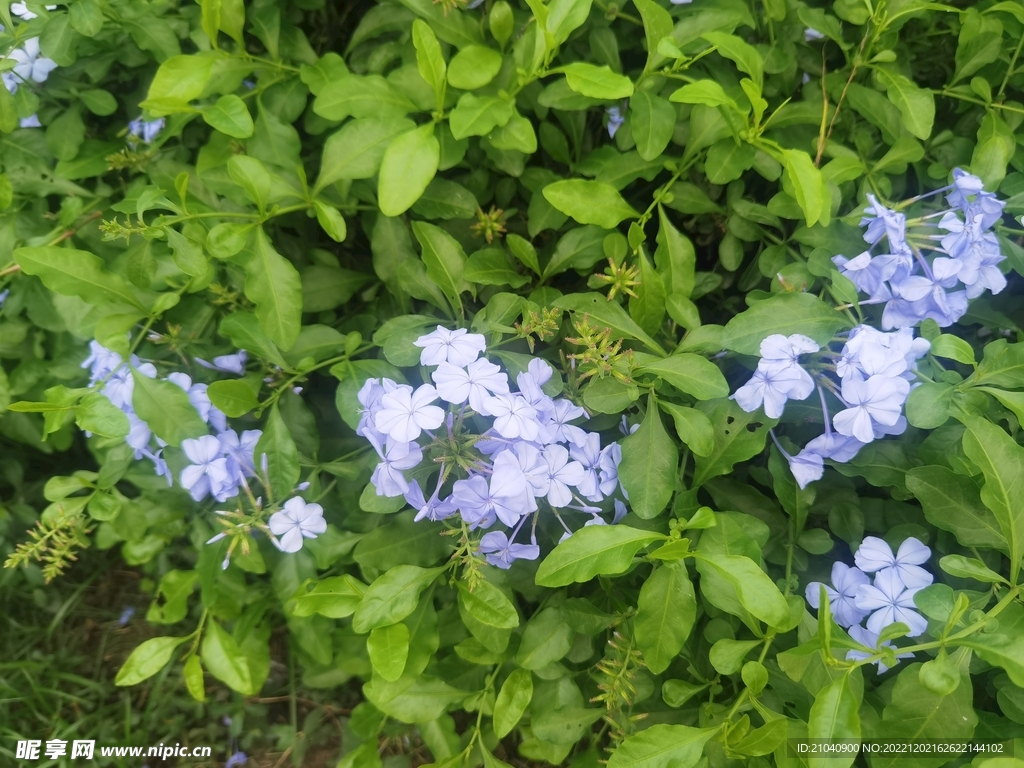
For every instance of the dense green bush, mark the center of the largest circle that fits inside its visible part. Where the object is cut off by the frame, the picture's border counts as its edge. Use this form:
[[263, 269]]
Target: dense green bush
[[640, 196]]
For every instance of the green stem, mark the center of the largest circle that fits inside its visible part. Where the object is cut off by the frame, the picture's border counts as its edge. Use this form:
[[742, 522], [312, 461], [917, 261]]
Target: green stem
[[1009, 69]]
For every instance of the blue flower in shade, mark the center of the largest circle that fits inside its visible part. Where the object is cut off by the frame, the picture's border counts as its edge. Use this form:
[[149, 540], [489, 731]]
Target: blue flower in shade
[[615, 120], [501, 552], [869, 639], [841, 595]]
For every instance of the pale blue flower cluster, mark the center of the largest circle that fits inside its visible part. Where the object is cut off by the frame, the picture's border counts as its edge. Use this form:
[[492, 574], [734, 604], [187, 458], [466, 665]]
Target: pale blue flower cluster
[[30, 65], [853, 596], [219, 462], [871, 377], [930, 270], [498, 451]]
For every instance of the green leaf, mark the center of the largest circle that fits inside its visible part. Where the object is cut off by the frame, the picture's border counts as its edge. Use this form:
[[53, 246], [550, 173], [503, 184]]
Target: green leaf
[[916, 714], [608, 314], [707, 92], [579, 248], [693, 427], [8, 112], [547, 638], [953, 348], [473, 67], [326, 287], [567, 724], [657, 26], [662, 746], [356, 151], [408, 166], [230, 116], [98, 415], [597, 82], [593, 550], [806, 184], [86, 17], [228, 239], [650, 465], [272, 283], [356, 96], [1001, 461], [647, 308], [666, 611], [478, 115], [512, 701], [277, 444], [589, 202], [835, 715], [188, 254], [738, 436], [165, 407], [429, 59], [755, 590], [784, 313], [392, 597], [674, 257], [490, 266], [225, 660], [331, 221], [726, 655], [565, 16], [147, 659], [445, 260], [179, 80], [234, 397], [76, 273], [171, 603], [422, 701], [389, 648], [745, 56], [653, 120], [969, 568], [336, 597], [1001, 366], [952, 502], [488, 605], [1014, 401], [245, 332], [727, 160], [193, 674], [928, 405], [916, 105], [689, 373]]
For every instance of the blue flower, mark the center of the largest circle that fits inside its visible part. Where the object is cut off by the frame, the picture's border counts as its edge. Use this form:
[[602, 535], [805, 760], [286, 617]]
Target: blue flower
[[841, 595], [298, 520], [147, 130], [458, 347], [884, 222], [869, 639], [879, 399], [875, 555], [615, 119], [889, 600], [208, 473], [501, 552]]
